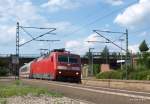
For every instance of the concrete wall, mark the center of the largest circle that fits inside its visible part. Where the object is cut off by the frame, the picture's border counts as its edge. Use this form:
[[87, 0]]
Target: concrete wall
[[120, 84]]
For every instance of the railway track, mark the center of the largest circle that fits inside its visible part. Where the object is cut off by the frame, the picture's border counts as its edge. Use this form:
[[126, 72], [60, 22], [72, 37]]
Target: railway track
[[93, 94]]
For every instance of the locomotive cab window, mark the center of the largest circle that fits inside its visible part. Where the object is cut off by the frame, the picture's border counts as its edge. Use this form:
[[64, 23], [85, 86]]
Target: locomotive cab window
[[73, 60], [62, 58]]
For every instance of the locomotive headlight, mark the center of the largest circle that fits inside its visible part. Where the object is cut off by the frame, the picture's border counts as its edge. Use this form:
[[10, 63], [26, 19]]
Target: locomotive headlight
[[77, 73], [59, 72]]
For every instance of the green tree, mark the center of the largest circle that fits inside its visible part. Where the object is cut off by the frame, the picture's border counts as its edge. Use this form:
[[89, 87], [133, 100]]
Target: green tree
[[105, 54], [3, 63], [114, 55], [86, 55], [143, 46]]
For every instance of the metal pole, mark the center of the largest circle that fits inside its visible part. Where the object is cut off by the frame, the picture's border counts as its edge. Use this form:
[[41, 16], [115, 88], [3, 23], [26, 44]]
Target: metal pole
[[89, 59], [121, 56], [126, 53], [17, 39], [49, 47], [17, 49], [131, 59], [121, 40], [92, 63]]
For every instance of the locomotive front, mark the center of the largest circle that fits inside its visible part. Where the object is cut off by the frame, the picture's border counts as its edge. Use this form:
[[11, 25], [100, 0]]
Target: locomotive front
[[68, 67]]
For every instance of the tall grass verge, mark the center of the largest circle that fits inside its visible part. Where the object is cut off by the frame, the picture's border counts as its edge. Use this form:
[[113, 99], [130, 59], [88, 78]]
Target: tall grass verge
[[18, 89]]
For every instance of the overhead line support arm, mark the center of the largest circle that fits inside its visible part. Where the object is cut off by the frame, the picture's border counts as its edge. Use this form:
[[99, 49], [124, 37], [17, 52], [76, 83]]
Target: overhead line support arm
[[96, 31]]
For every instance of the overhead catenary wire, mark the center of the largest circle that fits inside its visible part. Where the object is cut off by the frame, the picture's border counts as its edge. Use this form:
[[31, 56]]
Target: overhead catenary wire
[[37, 37], [98, 41], [27, 32], [37, 27], [109, 40], [122, 34], [110, 32], [47, 40]]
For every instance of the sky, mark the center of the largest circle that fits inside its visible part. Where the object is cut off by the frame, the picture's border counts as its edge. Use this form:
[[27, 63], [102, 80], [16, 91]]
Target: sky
[[74, 21]]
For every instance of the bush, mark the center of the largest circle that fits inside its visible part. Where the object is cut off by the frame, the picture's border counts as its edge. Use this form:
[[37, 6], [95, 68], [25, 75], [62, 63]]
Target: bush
[[148, 62], [110, 75], [144, 60], [140, 75], [3, 71], [120, 74], [96, 69]]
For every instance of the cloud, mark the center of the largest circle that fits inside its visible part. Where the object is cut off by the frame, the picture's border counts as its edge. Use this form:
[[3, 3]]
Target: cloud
[[11, 12], [7, 34], [114, 2], [81, 46], [26, 14], [134, 48], [92, 37], [18, 10], [72, 44], [55, 5], [63, 26], [144, 34], [135, 15]]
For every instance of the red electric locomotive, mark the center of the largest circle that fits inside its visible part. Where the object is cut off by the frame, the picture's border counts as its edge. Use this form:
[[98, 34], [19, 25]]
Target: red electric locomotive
[[58, 65]]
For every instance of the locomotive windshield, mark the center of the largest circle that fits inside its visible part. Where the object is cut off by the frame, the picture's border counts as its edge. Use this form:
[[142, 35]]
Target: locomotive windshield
[[67, 59], [73, 60], [62, 58]]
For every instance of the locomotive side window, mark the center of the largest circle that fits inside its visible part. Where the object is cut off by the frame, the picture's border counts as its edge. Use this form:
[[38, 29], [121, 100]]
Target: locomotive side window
[[62, 58], [73, 60]]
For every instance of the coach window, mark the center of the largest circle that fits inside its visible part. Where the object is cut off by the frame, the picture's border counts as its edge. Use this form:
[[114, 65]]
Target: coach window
[[23, 69]]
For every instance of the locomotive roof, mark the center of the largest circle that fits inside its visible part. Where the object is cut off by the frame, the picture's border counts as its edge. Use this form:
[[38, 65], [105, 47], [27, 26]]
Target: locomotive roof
[[59, 51], [25, 65]]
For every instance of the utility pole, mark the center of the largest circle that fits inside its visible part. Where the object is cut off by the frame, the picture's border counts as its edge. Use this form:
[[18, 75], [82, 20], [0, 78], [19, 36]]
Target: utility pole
[[17, 51], [90, 61], [109, 40], [126, 53], [17, 39], [121, 40]]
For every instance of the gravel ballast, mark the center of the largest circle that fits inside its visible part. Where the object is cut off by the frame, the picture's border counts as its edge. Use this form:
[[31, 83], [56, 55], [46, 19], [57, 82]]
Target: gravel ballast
[[42, 99]]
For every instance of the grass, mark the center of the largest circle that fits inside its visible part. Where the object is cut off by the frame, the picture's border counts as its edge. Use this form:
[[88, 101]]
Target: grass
[[18, 89], [3, 101]]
